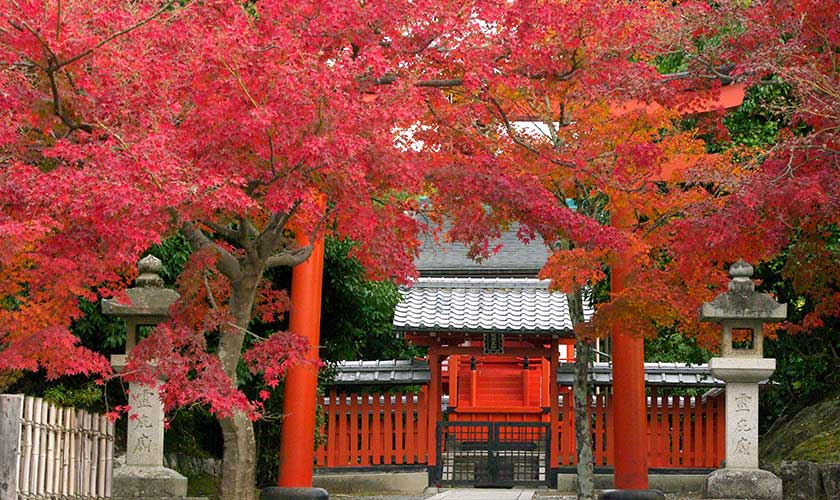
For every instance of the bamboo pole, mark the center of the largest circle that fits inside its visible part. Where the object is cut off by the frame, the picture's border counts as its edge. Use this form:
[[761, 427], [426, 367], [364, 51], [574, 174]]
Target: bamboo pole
[[72, 470], [25, 467], [103, 443], [94, 455], [49, 480], [65, 454], [109, 459], [35, 473], [59, 450], [84, 478], [43, 458]]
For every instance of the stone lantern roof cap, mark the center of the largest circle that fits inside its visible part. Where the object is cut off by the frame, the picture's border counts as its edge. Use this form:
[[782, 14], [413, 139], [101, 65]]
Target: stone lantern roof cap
[[149, 298], [741, 301]]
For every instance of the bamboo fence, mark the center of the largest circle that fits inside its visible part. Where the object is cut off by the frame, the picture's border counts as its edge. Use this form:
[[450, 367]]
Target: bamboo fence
[[62, 453]]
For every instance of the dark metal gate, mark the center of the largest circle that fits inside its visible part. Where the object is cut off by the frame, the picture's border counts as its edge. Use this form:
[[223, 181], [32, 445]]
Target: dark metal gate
[[493, 453]]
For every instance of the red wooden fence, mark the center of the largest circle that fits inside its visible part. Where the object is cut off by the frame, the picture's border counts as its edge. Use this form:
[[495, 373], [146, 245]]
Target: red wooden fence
[[364, 430], [683, 432], [387, 429]]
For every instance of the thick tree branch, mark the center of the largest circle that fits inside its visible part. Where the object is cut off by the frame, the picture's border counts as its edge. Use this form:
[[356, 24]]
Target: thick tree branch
[[223, 230], [268, 240], [289, 258], [227, 264]]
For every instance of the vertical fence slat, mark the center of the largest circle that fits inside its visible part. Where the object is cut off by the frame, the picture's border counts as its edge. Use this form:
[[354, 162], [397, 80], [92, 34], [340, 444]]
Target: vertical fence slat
[[34, 460], [698, 436], [388, 429], [58, 458], [410, 429], [42, 452], [109, 458], [366, 438], [598, 438], [50, 465], [331, 429], [93, 435], [376, 444], [399, 438], [354, 429], [422, 419]]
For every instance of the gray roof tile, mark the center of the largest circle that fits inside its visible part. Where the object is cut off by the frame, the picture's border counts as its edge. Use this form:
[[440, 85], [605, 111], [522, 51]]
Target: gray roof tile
[[656, 374], [515, 305], [515, 258], [382, 372], [416, 371]]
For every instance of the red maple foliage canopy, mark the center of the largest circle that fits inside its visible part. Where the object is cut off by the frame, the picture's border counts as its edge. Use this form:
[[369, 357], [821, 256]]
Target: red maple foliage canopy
[[123, 122]]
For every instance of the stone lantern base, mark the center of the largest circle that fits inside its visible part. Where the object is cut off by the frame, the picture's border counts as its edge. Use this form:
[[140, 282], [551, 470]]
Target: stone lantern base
[[148, 483], [743, 484]]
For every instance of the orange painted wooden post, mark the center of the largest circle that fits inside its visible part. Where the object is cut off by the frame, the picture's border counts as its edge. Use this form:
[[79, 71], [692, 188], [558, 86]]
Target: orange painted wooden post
[[675, 430], [709, 433], [631, 465], [399, 437], [388, 430], [554, 410], [454, 366], [597, 427], [545, 397], [569, 430], [720, 415], [331, 430], [526, 387], [343, 441], [297, 445], [610, 430], [434, 406], [473, 387], [376, 441], [366, 437], [422, 427], [353, 437], [410, 433]]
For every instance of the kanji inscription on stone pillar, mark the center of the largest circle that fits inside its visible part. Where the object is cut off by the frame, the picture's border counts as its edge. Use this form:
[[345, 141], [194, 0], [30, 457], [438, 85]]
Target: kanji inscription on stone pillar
[[145, 427]]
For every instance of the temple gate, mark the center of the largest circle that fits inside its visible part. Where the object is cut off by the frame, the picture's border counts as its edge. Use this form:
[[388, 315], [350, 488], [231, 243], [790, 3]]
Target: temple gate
[[491, 403]]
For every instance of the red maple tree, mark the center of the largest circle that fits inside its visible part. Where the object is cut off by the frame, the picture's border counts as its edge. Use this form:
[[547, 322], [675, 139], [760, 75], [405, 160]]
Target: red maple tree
[[126, 121]]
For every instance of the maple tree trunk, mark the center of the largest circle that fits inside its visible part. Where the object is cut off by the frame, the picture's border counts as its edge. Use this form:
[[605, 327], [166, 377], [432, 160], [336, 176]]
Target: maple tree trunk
[[583, 435], [580, 391], [239, 464]]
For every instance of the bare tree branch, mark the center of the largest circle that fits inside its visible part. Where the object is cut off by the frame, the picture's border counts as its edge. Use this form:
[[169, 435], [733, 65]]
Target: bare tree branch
[[117, 34]]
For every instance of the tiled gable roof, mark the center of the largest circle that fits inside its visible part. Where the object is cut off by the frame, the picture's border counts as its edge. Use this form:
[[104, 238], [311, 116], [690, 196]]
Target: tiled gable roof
[[508, 305], [514, 259]]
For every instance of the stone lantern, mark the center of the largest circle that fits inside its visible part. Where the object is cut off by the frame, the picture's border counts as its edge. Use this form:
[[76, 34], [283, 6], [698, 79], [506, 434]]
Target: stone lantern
[[742, 311], [143, 475]]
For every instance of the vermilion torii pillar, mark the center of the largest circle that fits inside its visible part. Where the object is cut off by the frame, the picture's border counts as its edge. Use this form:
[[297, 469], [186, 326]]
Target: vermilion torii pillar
[[297, 445], [629, 400], [628, 351]]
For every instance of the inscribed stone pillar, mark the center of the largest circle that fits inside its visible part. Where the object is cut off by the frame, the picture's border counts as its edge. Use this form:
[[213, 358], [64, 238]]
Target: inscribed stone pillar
[[143, 476], [145, 426], [741, 311]]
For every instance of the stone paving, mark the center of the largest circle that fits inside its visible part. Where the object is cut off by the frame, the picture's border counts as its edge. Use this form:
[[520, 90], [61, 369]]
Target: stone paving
[[486, 494]]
